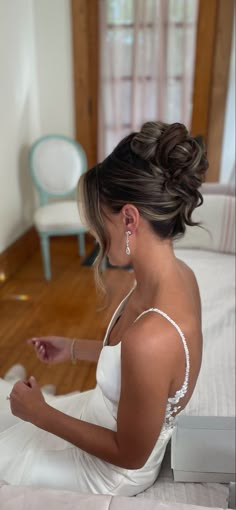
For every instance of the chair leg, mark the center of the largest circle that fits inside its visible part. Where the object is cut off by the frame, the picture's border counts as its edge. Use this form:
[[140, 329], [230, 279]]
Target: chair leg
[[45, 249], [81, 242], [104, 264]]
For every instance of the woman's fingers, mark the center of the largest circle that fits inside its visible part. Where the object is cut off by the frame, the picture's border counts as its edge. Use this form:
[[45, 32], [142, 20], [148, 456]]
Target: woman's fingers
[[33, 341], [37, 344], [44, 349], [39, 348], [41, 351]]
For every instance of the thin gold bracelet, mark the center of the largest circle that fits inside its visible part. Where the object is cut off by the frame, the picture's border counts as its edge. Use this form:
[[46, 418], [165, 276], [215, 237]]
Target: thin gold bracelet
[[72, 352]]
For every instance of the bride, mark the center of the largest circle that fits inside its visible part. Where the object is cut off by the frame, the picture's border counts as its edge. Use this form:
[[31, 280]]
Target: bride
[[112, 439]]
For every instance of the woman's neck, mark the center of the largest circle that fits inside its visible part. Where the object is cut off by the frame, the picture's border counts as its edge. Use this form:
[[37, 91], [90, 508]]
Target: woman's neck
[[153, 262]]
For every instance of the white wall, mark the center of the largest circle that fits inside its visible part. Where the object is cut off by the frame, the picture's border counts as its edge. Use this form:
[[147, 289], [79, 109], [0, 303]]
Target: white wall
[[18, 116], [35, 98], [228, 150], [53, 42]]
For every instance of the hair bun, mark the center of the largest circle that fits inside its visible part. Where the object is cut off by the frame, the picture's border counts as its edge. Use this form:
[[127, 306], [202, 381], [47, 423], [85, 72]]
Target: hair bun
[[157, 140], [144, 143], [171, 149], [173, 138]]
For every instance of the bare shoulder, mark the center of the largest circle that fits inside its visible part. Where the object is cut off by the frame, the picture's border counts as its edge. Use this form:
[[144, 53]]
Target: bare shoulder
[[188, 273], [189, 293], [150, 341]]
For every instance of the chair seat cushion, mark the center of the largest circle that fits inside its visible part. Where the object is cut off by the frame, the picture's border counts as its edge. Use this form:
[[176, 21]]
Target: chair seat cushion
[[59, 217]]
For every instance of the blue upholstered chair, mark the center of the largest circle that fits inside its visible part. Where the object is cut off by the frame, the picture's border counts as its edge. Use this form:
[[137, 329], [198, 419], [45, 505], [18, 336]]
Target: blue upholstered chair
[[56, 163]]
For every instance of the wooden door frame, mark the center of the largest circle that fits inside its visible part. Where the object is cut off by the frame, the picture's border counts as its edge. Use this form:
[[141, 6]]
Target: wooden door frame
[[213, 50], [85, 36]]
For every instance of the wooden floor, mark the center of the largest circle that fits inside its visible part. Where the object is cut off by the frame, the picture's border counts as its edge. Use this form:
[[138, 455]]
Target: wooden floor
[[68, 305]]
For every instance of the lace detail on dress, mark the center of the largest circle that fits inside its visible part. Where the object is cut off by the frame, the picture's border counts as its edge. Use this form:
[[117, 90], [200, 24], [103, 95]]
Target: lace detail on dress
[[172, 407]]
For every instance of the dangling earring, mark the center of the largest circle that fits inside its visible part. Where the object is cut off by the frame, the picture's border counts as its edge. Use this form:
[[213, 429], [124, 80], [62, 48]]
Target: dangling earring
[[127, 250]]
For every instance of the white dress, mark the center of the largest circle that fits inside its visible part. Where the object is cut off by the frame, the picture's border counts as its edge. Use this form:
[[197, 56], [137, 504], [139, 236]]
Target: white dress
[[31, 456]]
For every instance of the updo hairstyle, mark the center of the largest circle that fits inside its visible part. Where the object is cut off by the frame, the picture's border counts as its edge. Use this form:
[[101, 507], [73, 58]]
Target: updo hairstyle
[[159, 170]]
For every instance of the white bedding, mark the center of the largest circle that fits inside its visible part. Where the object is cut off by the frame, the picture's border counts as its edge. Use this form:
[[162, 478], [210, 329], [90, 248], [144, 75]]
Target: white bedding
[[214, 394]]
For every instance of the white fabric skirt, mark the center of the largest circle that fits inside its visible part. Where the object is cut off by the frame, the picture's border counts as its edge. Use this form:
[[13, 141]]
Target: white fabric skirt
[[31, 456]]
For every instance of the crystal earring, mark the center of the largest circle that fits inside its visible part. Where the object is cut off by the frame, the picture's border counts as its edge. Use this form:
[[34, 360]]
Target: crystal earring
[[127, 250]]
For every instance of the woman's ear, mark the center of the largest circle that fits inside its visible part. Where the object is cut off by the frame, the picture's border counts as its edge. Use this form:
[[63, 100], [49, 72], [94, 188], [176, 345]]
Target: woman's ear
[[130, 217]]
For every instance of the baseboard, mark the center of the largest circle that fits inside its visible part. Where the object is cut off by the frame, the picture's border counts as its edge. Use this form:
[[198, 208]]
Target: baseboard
[[17, 253]]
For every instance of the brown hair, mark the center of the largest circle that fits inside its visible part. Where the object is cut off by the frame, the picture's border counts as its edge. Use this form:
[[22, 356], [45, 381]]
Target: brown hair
[[159, 170]]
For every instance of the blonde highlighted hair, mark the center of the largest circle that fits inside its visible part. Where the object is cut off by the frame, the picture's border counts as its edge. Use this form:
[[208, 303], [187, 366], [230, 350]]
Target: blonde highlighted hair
[[159, 170]]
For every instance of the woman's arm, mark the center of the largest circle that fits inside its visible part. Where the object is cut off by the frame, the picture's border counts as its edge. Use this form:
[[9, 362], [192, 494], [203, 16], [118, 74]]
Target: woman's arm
[[145, 381], [93, 439], [146, 371], [57, 349]]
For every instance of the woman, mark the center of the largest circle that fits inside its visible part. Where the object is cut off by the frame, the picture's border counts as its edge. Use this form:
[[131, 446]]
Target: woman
[[112, 439]]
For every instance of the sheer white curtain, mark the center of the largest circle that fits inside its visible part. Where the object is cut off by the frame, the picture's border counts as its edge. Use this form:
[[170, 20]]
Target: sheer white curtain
[[228, 167], [147, 54]]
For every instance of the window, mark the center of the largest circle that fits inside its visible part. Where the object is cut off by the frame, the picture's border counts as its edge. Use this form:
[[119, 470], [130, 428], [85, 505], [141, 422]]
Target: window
[[146, 64]]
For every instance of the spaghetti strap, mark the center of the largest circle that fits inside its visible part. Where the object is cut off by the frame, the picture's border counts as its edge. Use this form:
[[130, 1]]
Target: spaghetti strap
[[116, 312], [172, 401]]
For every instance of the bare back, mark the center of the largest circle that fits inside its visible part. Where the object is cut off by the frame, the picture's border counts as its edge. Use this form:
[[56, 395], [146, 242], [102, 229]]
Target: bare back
[[179, 298]]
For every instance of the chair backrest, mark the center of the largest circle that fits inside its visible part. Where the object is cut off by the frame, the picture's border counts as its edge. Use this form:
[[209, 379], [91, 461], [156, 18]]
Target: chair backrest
[[56, 163]]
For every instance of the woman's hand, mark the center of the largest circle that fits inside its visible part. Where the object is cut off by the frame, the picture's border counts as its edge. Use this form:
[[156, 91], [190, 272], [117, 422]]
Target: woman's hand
[[51, 349], [27, 401]]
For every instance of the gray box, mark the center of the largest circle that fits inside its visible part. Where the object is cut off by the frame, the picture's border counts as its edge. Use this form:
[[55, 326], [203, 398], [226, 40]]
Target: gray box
[[232, 499], [203, 449]]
